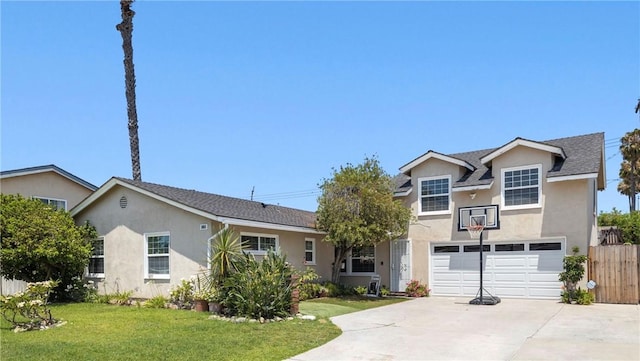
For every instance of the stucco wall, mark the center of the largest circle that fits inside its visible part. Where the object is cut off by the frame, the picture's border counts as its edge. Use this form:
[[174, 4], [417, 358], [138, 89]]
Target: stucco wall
[[46, 185], [568, 209], [123, 230]]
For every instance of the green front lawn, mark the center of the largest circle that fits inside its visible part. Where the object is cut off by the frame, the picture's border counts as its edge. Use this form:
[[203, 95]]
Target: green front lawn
[[106, 332]]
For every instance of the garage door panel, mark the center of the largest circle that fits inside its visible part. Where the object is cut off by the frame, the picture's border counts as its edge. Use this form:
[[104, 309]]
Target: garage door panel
[[447, 276], [509, 261], [544, 278], [510, 277], [517, 274], [510, 291]]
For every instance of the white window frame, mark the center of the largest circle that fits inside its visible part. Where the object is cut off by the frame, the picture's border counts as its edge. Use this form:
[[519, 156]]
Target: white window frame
[[349, 271], [259, 252], [148, 275], [49, 200], [312, 250], [97, 275], [420, 196], [504, 189]]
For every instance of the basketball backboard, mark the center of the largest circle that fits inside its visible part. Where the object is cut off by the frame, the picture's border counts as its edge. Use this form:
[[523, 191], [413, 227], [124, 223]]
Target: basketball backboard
[[485, 214]]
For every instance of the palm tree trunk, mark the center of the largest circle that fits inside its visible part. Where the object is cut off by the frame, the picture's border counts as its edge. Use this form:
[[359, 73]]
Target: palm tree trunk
[[126, 30]]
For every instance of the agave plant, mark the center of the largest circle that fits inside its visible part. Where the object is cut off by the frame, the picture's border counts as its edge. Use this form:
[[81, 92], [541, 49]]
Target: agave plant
[[226, 249]]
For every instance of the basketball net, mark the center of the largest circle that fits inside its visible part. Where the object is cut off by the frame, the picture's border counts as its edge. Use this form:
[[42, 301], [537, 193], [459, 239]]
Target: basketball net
[[475, 231]]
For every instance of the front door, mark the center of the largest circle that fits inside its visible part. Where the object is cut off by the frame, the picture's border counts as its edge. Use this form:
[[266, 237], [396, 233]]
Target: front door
[[400, 264]]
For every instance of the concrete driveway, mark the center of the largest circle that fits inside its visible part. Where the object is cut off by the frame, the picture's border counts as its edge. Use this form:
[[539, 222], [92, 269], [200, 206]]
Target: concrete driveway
[[442, 328]]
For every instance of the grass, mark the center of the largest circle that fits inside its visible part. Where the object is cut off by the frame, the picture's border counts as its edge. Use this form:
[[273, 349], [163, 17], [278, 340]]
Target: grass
[[107, 332], [329, 307]]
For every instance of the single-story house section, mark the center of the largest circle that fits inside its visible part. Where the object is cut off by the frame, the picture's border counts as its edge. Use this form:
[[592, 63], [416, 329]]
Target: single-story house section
[[152, 236]]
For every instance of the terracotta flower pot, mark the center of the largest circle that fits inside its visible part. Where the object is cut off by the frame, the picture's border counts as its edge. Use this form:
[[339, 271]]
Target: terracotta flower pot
[[201, 305]]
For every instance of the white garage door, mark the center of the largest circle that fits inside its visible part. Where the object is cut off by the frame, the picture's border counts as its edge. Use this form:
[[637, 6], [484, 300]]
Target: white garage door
[[522, 269]]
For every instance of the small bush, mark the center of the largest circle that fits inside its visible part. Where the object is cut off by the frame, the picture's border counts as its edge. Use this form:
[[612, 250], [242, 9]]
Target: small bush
[[259, 289], [361, 290], [338, 290], [583, 297], [28, 310], [122, 298], [384, 291], [309, 286], [417, 289], [159, 301]]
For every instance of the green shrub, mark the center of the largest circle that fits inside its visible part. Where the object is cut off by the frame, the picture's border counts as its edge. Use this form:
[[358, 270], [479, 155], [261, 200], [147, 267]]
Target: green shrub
[[384, 291], [627, 223], [584, 297], [573, 272], [361, 290], [28, 310], [417, 289], [159, 301], [308, 285], [259, 289], [337, 290]]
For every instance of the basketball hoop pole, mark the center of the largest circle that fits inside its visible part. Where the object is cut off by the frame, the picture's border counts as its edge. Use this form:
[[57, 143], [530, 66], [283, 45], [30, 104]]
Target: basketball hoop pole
[[480, 299]]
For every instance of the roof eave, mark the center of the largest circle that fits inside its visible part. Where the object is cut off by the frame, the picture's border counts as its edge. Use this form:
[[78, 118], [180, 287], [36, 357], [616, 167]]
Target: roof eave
[[406, 169], [227, 220], [526, 143]]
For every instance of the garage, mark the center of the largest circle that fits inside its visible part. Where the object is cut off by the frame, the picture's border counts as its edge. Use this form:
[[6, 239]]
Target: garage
[[518, 269]]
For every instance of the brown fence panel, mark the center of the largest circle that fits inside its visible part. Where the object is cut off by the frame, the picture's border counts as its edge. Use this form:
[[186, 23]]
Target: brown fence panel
[[616, 271]]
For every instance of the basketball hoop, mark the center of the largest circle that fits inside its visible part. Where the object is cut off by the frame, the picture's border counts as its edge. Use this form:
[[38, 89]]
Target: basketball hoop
[[475, 231]]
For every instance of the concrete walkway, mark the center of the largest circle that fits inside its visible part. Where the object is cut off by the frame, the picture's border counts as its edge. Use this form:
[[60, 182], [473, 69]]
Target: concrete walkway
[[442, 328]]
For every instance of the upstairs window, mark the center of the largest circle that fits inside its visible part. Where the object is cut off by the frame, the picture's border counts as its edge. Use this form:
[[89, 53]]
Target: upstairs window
[[57, 204], [435, 195], [259, 243], [522, 187]]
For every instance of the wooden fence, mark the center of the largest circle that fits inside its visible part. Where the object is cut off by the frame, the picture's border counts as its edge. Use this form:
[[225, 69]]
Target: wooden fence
[[616, 271]]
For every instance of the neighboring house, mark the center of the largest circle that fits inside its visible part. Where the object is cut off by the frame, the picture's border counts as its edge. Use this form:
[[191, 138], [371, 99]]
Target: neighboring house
[[539, 199], [152, 236], [48, 183], [51, 185]]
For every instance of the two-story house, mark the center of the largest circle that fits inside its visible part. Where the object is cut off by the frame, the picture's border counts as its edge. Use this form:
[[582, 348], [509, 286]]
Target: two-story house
[[539, 199]]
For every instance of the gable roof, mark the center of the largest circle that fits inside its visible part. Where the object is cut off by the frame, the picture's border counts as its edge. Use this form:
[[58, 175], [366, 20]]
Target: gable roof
[[229, 210], [577, 157], [44, 169], [431, 154]]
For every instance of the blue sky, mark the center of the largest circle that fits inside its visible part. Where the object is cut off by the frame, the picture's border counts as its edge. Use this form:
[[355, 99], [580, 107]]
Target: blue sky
[[234, 96]]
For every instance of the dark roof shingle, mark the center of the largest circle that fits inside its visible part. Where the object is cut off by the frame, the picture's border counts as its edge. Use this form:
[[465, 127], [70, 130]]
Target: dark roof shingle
[[223, 206], [584, 156]]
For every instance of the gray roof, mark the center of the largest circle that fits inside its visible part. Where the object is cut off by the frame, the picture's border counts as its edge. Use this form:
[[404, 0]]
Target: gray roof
[[584, 156], [223, 206], [46, 168]]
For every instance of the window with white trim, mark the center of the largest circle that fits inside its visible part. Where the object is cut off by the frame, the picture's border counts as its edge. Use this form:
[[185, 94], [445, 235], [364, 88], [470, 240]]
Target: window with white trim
[[435, 195], [57, 204], [259, 243], [156, 255], [96, 262], [361, 260], [309, 251], [522, 187]]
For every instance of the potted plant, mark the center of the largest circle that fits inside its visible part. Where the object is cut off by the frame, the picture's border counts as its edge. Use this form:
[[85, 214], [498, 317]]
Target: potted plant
[[201, 294]]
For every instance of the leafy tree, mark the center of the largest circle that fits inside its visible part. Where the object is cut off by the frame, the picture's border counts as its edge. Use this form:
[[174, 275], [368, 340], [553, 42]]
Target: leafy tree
[[357, 209], [126, 31], [630, 168], [40, 243], [627, 223]]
